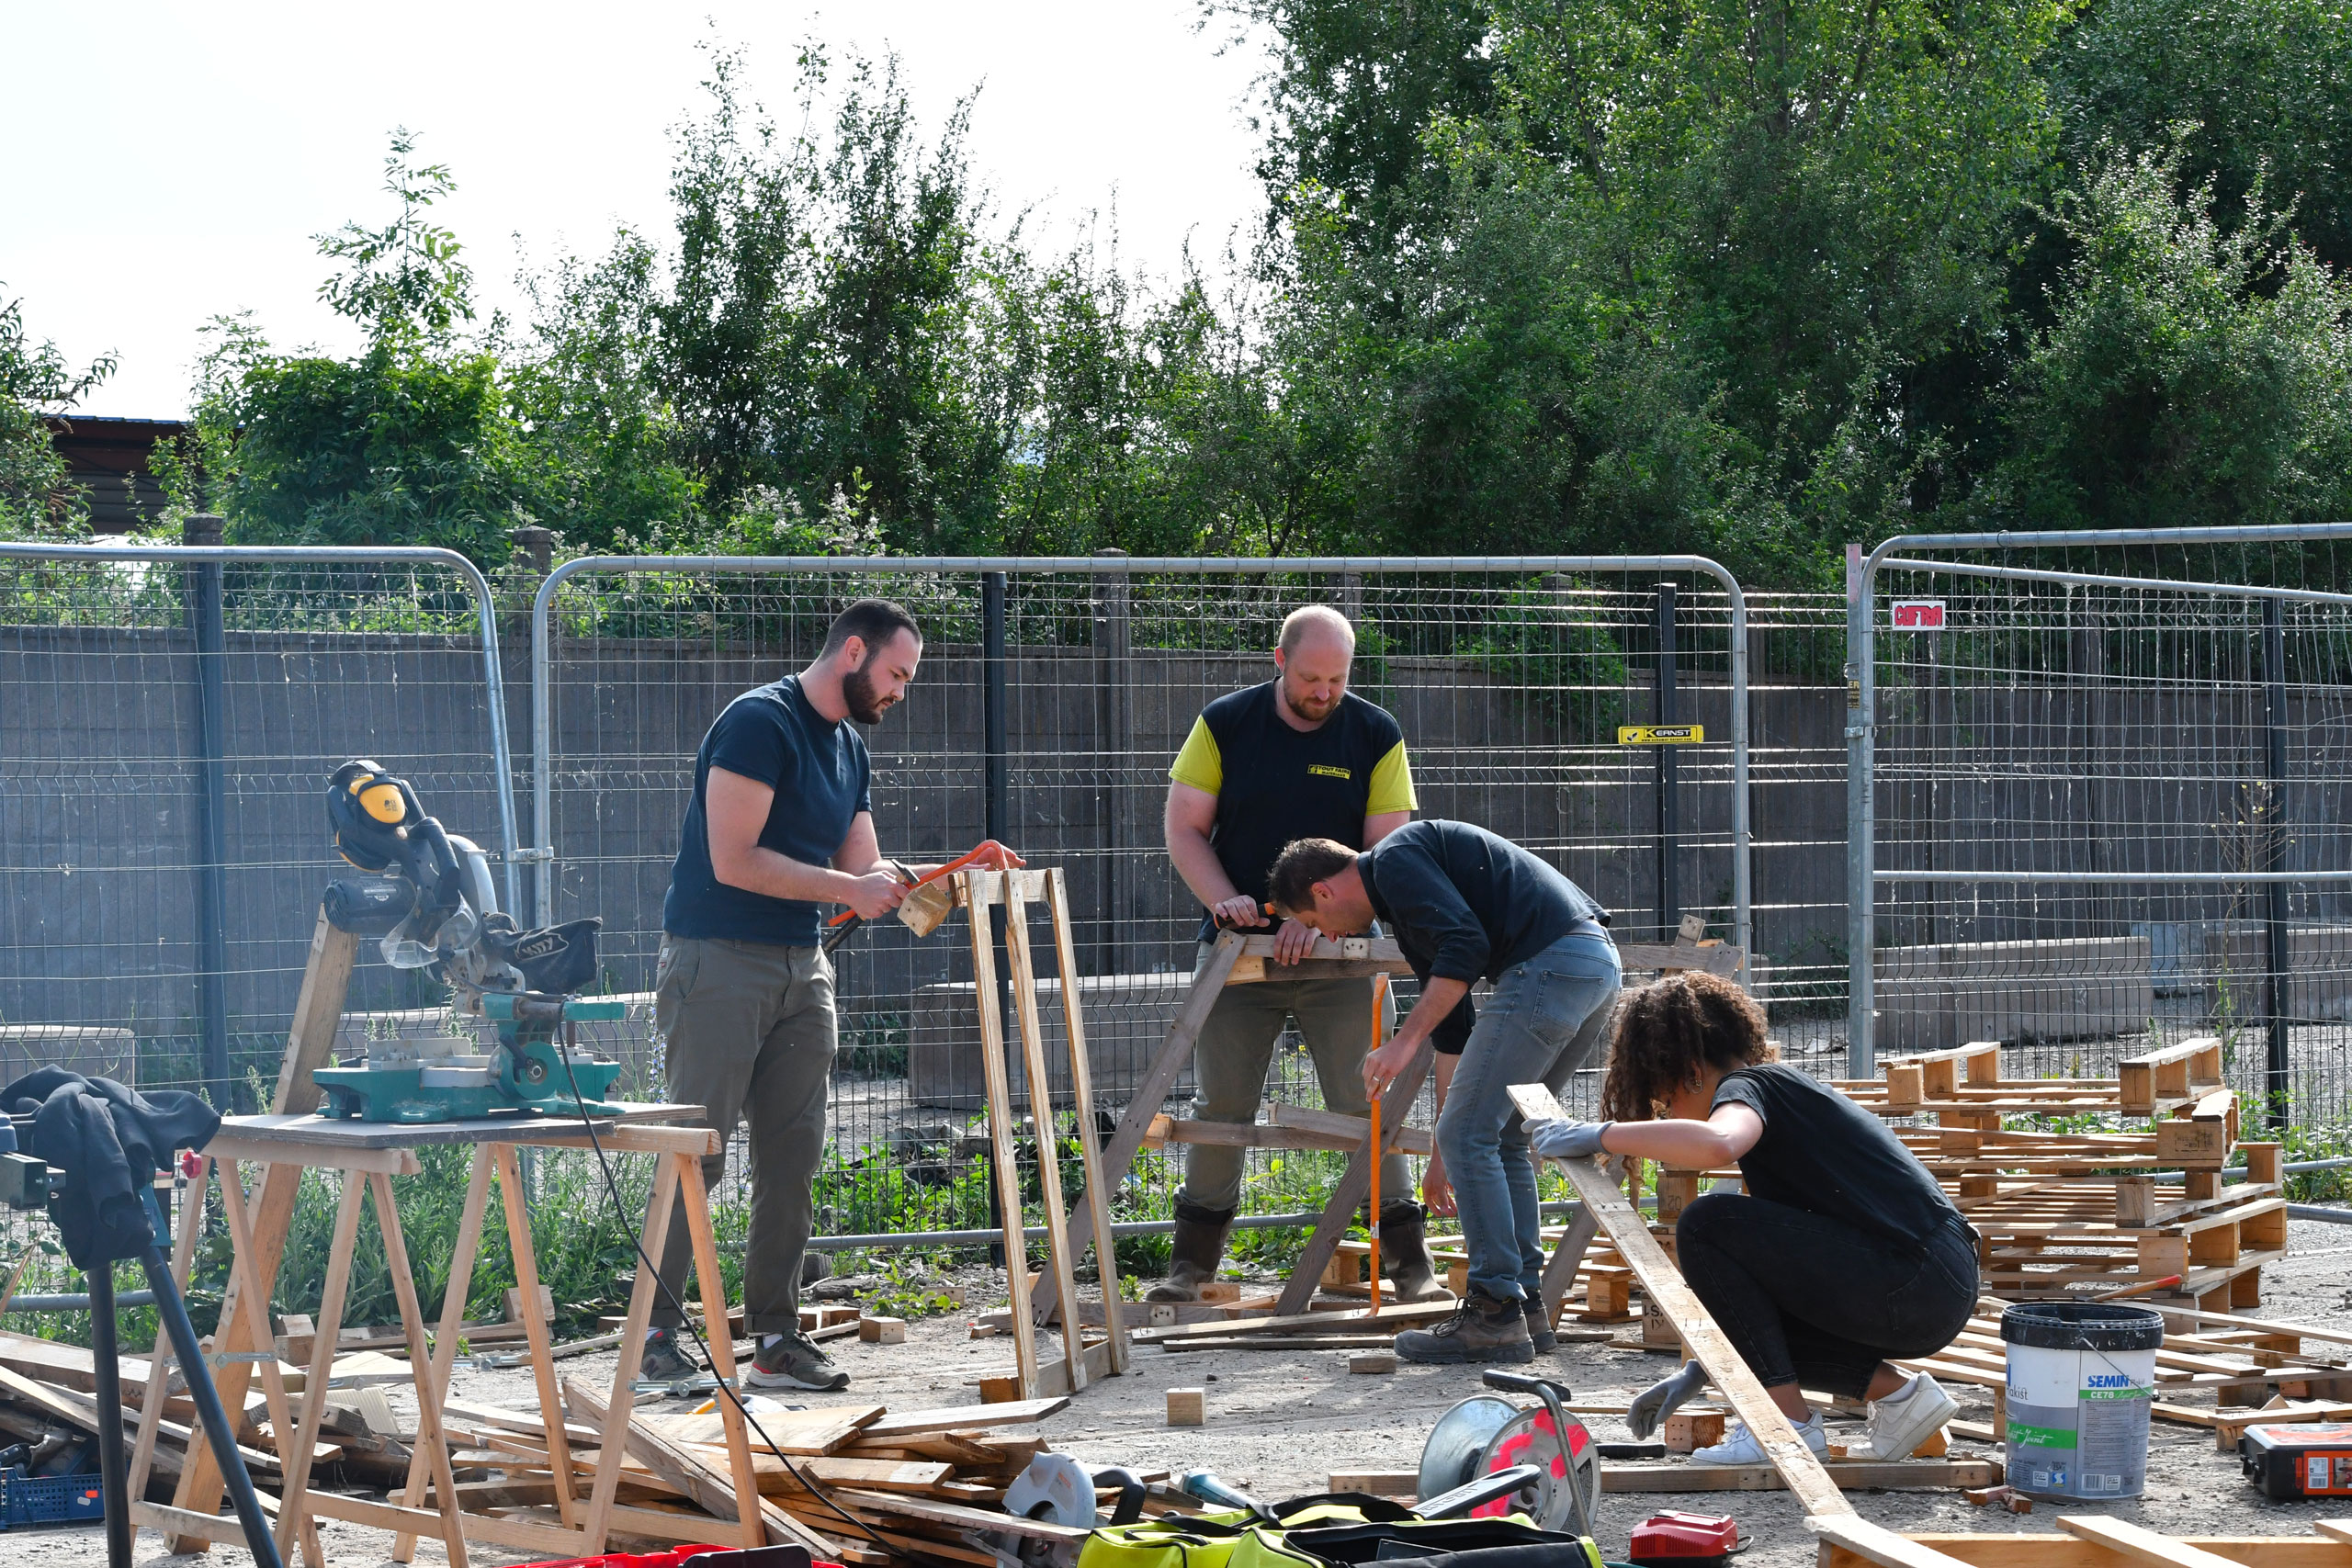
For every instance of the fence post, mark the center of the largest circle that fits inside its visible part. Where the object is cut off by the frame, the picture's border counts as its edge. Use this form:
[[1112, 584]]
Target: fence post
[[2274, 847], [204, 614], [1862, 1055], [992, 749], [1669, 825], [1114, 737]]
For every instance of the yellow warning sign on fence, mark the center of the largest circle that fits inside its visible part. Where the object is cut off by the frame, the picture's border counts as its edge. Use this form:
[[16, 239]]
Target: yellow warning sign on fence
[[1661, 734]]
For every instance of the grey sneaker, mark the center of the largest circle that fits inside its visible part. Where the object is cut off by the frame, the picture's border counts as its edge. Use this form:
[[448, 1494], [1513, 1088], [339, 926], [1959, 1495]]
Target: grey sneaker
[[793, 1360], [665, 1360]]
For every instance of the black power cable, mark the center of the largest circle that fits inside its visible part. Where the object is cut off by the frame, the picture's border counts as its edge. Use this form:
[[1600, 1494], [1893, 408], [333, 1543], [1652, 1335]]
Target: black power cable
[[620, 1209]]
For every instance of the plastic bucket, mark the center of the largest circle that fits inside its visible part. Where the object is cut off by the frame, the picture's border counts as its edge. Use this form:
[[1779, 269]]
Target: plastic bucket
[[2082, 1377]]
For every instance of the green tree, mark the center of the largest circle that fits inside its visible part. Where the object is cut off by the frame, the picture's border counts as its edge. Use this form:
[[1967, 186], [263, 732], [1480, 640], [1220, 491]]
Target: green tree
[[38, 383], [2196, 371], [2266, 84]]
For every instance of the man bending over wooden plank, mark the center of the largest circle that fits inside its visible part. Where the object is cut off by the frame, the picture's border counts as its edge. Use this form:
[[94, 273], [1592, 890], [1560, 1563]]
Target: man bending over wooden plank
[[1841, 1253], [1463, 904]]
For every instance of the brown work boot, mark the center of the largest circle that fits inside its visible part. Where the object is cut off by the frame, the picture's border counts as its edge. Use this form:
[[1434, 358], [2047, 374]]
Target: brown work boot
[[1485, 1328], [1404, 1254], [1539, 1332], [1198, 1248]]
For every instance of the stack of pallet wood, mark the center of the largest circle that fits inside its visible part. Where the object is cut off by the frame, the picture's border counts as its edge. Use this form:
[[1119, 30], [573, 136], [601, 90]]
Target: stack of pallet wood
[[930, 1483], [2090, 1186]]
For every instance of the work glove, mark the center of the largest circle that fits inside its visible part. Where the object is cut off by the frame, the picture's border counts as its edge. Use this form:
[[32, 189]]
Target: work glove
[[1563, 1138], [1655, 1403]]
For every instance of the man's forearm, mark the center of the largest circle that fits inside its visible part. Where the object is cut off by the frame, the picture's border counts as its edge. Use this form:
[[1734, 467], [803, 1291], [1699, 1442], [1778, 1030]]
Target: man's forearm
[[777, 876], [1439, 996], [1196, 863]]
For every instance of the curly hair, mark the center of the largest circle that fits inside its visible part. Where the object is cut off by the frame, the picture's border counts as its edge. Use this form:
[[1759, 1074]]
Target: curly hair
[[1666, 1033]]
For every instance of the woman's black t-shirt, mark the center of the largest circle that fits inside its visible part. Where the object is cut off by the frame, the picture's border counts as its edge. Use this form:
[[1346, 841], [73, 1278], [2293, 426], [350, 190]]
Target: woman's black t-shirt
[[1826, 1155]]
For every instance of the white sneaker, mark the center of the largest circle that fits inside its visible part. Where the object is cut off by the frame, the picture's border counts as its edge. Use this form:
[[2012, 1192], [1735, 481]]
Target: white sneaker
[[1909, 1416], [1741, 1447]]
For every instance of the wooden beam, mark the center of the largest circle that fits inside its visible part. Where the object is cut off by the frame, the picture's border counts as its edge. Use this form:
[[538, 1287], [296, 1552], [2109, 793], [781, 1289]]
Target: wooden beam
[[318, 1013], [1149, 1095], [683, 1467], [1663, 1283], [1852, 1475], [2046, 1550], [2138, 1542], [1403, 1316], [1873, 1543], [1354, 1185]]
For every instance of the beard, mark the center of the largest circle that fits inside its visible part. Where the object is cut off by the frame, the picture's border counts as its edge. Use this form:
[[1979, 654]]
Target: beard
[[865, 704], [1308, 708]]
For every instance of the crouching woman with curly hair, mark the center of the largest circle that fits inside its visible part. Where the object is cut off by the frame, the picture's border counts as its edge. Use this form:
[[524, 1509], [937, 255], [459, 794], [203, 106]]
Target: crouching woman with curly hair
[[1841, 1252]]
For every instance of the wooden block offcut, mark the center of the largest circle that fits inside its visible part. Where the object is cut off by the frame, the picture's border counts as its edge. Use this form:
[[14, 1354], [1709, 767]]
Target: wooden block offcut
[[1373, 1362], [1187, 1407], [882, 1330], [1687, 1431]]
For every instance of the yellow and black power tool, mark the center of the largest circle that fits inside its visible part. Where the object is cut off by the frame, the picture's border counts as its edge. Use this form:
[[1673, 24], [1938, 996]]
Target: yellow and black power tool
[[430, 897]]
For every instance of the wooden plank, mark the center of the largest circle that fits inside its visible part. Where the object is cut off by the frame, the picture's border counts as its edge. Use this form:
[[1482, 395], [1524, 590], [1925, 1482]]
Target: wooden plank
[[1721, 959], [185, 1524], [536, 1335], [681, 1467], [1667, 1293], [1094, 1195], [429, 1403], [1150, 1094], [1354, 1186], [343, 1242], [1354, 1130], [713, 1288], [1567, 1255], [956, 1513], [972, 887], [777, 1475], [2138, 1542], [318, 1013], [1875, 1543], [151, 1408], [1277, 1134], [1021, 958], [1852, 1475], [2046, 1550], [453, 1316], [614, 1421], [920, 1423], [1404, 1315], [807, 1434]]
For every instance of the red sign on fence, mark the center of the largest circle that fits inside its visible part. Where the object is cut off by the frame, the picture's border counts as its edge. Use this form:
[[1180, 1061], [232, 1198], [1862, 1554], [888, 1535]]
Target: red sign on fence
[[1918, 614]]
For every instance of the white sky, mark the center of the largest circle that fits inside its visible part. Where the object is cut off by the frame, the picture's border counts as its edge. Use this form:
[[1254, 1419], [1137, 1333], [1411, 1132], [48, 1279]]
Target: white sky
[[173, 162]]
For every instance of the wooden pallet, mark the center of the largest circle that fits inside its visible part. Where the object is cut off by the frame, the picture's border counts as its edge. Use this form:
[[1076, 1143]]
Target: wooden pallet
[[2092, 1540]]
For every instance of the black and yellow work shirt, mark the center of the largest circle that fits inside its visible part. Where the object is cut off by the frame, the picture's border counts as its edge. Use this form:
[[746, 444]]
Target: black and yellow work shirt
[[1274, 783]]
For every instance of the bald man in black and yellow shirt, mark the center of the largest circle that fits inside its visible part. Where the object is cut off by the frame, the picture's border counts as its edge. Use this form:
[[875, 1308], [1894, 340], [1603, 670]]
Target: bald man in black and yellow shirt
[[1299, 756]]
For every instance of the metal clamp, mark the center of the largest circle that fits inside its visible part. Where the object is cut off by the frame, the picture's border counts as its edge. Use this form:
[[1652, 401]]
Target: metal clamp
[[220, 1359]]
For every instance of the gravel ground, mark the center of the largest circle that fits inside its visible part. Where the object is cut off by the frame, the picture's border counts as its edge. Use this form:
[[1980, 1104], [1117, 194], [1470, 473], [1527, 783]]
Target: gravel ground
[[1279, 1423]]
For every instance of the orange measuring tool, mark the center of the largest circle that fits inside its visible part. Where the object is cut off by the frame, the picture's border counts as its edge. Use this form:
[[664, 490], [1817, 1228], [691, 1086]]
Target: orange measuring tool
[[1379, 998]]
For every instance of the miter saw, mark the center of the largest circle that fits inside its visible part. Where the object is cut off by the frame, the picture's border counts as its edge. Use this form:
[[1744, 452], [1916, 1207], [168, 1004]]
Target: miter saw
[[428, 896]]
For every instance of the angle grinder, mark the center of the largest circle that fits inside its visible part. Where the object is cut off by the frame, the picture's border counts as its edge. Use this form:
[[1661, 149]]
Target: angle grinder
[[1485, 1436]]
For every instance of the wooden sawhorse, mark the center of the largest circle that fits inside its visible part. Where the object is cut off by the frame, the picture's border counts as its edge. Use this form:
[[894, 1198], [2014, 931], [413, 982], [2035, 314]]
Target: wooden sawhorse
[[1236, 959], [368, 1155]]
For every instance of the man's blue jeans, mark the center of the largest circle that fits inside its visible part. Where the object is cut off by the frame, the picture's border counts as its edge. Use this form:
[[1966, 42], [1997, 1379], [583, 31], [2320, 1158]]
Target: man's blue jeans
[[1544, 1020]]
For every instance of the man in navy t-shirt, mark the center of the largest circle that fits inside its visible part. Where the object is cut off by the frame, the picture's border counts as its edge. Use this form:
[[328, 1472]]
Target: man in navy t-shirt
[[779, 829]]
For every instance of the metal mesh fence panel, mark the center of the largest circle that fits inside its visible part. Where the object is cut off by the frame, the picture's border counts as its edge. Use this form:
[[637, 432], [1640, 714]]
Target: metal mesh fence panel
[[2107, 785], [167, 730], [1509, 682]]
